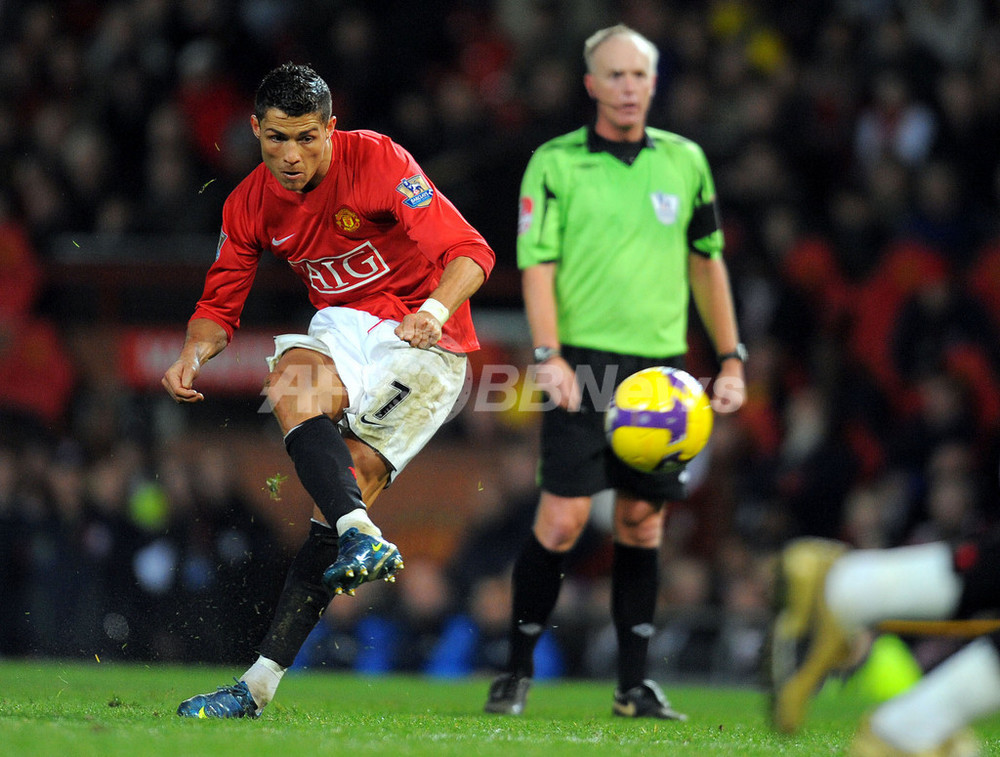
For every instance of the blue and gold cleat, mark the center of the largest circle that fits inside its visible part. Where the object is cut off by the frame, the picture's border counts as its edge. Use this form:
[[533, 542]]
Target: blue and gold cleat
[[361, 558], [226, 702]]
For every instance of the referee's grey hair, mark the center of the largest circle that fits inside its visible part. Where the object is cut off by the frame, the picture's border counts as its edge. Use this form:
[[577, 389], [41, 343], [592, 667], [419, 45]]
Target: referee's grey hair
[[598, 38]]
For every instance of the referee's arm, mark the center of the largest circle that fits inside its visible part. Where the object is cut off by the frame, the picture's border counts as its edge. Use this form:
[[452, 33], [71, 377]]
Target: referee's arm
[[554, 375], [713, 298]]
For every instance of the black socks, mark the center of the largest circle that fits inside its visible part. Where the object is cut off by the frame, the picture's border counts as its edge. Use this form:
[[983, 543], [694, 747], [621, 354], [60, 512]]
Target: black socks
[[303, 598], [537, 578], [325, 467], [634, 585], [635, 581]]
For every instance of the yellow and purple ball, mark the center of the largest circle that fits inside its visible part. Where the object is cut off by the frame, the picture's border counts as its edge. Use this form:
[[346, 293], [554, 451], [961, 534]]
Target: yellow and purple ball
[[659, 419]]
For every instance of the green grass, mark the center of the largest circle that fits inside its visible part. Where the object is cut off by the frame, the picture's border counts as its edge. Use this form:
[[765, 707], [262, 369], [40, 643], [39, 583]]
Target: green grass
[[107, 710]]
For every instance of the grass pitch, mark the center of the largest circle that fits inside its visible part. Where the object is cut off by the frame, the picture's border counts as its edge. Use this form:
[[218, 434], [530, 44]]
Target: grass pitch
[[111, 710]]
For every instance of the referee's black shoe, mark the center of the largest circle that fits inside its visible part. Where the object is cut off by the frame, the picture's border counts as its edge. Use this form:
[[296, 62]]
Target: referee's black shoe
[[508, 694], [645, 701]]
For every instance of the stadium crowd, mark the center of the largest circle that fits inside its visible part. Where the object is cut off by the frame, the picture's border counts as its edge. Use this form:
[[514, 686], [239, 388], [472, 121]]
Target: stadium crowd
[[858, 170]]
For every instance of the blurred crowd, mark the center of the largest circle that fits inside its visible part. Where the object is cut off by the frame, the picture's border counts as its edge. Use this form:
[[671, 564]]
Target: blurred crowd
[[854, 148], [106, 558]]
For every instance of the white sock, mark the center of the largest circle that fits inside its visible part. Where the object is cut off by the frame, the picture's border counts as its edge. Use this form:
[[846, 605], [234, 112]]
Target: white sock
[[905, 583], [262, 678], [357, 518], [962, 689]]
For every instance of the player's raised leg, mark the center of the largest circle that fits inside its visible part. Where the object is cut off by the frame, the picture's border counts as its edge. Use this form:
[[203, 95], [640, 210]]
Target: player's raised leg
[[307, 397]]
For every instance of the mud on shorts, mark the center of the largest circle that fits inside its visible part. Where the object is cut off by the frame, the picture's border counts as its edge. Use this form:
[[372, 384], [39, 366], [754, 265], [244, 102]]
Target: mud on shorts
[[576, 459], [398, 395]]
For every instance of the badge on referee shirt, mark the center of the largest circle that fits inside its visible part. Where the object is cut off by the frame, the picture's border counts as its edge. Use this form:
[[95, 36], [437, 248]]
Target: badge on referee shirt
[[665, 206], [524, 215]]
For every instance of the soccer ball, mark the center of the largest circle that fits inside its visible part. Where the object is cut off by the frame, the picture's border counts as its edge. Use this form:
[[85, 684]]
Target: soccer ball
[[659, 419]]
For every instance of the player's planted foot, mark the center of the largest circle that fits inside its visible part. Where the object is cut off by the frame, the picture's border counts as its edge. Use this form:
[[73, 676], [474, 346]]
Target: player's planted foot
[[508, 694], [867, 744], [361, 558], [225, 702], [645, 701], [803, 615]]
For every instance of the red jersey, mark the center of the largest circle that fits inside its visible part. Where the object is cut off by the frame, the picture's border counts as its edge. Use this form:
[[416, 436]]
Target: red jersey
[[374, 235]]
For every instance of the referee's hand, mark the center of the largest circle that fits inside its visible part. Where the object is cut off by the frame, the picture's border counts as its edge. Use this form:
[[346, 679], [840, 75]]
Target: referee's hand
[[729, 390], [558, 379]]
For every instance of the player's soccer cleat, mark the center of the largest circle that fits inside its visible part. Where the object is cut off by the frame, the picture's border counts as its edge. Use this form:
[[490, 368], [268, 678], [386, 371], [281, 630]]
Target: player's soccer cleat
[[645, 701], [360, 558], [867, 744], [508, 694], [803, 616], [225, 702]]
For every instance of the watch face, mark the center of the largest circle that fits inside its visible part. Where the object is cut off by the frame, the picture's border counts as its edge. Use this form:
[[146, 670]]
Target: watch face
[[544, 353]]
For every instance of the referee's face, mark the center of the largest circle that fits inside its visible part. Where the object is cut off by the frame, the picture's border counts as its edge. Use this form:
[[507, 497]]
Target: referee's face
[[295, 149], [622, 83]]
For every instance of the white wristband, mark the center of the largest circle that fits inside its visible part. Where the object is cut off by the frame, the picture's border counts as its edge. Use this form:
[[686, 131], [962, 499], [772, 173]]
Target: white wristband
[[437, 309]]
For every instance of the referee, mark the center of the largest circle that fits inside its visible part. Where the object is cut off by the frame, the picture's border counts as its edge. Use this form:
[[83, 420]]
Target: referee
[[617, 230]]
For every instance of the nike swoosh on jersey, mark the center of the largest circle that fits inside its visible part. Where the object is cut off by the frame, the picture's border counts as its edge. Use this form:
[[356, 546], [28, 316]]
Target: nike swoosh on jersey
[[364, 419], [279, 242]]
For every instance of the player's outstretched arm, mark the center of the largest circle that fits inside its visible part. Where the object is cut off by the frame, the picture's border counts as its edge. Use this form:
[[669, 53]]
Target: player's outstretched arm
[[205, 339]]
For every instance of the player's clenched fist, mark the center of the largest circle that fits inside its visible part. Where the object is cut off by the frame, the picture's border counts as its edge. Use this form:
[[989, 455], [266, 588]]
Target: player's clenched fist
[[420, 329]]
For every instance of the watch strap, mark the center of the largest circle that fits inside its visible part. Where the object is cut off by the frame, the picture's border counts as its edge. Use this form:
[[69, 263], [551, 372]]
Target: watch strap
[[740, 353]]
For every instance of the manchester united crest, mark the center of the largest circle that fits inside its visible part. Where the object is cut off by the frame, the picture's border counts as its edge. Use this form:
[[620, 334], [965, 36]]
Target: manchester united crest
[[347, 220]]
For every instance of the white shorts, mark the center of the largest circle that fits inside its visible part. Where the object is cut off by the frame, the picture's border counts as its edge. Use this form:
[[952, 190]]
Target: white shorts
[[398, 395]]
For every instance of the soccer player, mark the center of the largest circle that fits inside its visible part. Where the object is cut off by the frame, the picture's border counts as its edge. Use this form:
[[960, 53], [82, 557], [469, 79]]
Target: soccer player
[[830, 595], [389, 264], [617, 229]]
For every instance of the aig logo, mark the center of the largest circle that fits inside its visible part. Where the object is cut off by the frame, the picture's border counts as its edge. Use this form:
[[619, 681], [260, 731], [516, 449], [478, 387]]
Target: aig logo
[[344, 272]]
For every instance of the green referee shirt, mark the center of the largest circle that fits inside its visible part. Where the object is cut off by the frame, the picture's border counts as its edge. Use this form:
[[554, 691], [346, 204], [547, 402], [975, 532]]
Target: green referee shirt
[[620, 236]]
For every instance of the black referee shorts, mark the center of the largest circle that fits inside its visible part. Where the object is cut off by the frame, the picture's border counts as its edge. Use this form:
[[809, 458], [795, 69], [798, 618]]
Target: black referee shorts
[[577, 460]]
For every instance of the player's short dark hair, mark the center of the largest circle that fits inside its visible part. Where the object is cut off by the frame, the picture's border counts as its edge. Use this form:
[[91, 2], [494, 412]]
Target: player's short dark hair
[[294, 89]]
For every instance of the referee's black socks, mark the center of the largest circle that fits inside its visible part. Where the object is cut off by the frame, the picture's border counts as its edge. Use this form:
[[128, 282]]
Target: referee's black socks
[[536, 579], [635, 583]]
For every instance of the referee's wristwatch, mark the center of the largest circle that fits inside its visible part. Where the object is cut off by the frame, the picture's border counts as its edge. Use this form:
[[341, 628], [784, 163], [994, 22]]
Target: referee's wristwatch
[[542, 354], [740, 353]]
